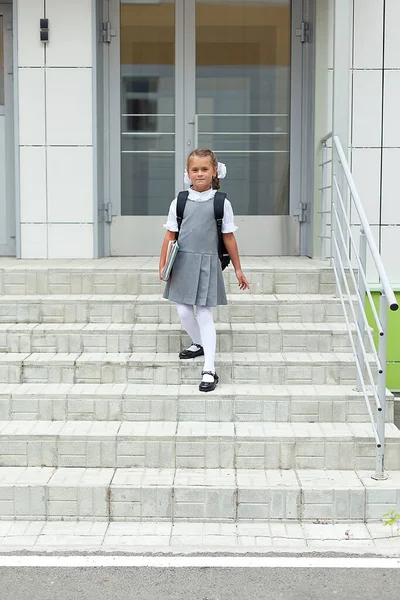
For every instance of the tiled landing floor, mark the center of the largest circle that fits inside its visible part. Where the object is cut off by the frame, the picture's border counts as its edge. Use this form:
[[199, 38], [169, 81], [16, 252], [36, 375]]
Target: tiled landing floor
[[164, 537]]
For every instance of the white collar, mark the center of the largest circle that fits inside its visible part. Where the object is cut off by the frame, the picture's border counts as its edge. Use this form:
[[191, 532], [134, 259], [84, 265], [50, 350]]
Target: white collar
[[201, 196]]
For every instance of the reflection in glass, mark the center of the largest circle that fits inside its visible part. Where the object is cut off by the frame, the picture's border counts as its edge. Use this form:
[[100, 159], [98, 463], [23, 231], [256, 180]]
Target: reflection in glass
[[1, 62], [243, 98], [147, 107]]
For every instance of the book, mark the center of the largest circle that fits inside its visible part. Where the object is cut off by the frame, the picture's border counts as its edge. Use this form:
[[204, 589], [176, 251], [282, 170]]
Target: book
[[172, 251]]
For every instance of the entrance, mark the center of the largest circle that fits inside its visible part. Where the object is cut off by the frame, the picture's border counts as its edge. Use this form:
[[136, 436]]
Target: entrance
[[223, 74], [7, 207]]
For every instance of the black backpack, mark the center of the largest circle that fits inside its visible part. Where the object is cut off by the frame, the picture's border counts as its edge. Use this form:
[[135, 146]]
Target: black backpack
[[219, 201]]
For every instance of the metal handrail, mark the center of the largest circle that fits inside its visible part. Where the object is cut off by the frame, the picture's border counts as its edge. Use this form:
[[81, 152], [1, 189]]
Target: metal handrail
[[338, 196]]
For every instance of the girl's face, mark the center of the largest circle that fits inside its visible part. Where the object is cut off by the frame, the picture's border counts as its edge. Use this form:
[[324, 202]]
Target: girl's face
[[201, 171]]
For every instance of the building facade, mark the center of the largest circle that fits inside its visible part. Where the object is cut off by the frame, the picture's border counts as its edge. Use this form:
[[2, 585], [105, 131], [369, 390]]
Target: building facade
[[100, 105]]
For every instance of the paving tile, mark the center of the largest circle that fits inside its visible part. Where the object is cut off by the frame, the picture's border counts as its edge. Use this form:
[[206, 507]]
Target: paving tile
[[143, 477], [342, 531], [162, 529], [355, 546], [389, 545], [380, 531], [255, 542], [135, 541], [69, 541], [72, 528], [18, 541], [209, 534]]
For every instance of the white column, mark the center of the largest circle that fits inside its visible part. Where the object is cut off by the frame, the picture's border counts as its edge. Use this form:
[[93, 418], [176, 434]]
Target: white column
[[390, 216], [56, 129], [342, 48], [366, 142]]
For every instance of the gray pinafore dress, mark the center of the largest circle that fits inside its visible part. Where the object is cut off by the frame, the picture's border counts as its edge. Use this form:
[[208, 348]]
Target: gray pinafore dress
[[196, 278]]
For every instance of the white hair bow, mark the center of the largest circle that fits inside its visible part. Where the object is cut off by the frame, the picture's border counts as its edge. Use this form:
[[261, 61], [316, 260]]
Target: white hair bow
[[221, 173]]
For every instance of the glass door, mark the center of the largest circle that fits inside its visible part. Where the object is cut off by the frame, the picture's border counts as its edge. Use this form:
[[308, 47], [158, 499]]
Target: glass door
[[147, 107], [243, 98], [203, 73]]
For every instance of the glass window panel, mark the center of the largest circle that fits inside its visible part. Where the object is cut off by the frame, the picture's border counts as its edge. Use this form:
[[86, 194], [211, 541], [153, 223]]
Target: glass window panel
[[1, 62], [248, 142], [147, 107], [258, 183], [236, 123], [243, 85], [146, 183]]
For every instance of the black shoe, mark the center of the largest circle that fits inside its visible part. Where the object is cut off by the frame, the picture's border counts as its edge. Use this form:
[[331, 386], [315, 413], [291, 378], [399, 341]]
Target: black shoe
[[192, 353], [206, 386]]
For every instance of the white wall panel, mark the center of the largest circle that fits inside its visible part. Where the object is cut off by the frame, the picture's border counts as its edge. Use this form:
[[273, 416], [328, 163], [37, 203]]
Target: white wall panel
[[391, 116], [30, 48], [3, 183], [368, 34], [392, 50], [69, 107], [33, 184], [372, 275], [390, 187], [70, 241], [329, 101], [366, 168], [33, 241], [71, 33], [70, 184], [330, 32], [367, 108], [31, 107], [390, 252]]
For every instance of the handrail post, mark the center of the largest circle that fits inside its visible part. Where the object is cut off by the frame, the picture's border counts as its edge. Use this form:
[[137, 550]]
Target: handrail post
[[343, 211], [380, 415], [363, 291], [324, 204]]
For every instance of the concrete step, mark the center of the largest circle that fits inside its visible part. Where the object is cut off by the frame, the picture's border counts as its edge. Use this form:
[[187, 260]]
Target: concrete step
[[238, 337], [158, 368], [201, 495], [272, 275], [136, 402], [133, 309], [263, 445]]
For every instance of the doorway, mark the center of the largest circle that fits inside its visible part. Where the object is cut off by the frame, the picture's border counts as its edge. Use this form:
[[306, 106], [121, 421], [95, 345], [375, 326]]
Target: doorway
[[222, 74]]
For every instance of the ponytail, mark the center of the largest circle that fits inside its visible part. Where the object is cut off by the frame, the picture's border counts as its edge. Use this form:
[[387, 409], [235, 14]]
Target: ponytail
[[215, 183]]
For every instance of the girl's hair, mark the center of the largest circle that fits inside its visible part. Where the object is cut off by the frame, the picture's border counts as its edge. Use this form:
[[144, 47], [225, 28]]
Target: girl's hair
[[202, 153]]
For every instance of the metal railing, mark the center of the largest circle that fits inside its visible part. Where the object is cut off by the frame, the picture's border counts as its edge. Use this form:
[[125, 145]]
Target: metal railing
[[340, 203]]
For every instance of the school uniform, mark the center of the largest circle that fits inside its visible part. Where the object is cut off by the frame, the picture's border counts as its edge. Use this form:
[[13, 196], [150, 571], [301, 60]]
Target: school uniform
[[196, 277]]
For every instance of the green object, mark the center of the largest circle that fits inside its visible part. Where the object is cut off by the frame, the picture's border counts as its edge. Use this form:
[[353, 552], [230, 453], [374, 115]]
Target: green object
[[392, 518], [393, 343]]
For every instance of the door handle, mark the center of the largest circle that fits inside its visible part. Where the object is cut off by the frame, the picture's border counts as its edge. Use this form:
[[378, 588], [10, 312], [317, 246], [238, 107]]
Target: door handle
[[195, 122]]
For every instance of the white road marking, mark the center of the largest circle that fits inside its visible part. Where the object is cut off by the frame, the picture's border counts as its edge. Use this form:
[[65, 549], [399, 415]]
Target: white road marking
[[165, 562]]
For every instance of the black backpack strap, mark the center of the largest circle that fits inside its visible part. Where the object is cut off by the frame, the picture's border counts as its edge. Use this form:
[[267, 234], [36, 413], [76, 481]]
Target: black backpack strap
[[180, 208], [219, 204]]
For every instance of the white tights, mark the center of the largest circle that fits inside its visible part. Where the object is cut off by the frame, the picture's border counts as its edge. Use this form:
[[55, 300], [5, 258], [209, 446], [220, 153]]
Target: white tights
[[201, 330]]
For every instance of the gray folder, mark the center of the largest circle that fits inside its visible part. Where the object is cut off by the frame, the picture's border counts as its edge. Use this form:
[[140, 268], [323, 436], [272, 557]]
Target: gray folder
[[172, 251]]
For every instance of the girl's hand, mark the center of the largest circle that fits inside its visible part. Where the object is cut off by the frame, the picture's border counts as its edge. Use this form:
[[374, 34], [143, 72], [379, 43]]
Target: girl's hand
[[243, 283], [160, 273]]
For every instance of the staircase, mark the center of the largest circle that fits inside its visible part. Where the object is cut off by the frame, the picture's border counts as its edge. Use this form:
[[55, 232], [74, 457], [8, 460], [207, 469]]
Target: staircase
[[100, 421]]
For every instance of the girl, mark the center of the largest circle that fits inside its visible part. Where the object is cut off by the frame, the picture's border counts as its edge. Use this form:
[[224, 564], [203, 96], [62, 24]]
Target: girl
[[196, 279]]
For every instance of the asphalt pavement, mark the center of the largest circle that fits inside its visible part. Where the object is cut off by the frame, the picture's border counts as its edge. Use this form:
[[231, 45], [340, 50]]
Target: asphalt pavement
[[206, 583]]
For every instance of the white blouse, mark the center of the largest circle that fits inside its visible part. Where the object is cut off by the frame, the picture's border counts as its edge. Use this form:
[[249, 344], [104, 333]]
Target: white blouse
[[228, 225]]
